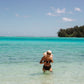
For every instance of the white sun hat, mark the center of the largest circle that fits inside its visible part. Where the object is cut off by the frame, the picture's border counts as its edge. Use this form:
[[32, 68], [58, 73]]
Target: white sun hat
[[49, 51]]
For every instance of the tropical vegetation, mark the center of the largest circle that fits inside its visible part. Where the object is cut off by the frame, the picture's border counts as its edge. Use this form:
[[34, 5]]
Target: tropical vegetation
[[72, 32]]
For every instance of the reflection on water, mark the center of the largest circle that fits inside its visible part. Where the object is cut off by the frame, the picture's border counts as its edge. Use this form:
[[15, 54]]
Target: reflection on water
[[35, 74], [47, 78], [44, 77]]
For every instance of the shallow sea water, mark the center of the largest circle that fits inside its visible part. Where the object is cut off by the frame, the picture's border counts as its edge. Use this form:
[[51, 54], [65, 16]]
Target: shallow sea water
[[20, 56]]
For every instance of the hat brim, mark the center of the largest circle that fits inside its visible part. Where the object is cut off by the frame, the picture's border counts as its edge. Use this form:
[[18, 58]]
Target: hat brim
[[45, 54]]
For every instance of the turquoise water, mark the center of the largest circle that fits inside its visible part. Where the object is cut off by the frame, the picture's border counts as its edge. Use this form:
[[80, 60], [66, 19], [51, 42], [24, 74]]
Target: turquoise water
[[20, 56]]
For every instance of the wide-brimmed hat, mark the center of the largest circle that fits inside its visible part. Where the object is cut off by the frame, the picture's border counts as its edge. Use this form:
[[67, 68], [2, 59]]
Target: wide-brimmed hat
[[48, 52]]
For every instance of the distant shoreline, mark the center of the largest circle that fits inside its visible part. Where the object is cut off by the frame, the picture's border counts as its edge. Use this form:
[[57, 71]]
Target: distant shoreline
[[37, 37], [42, 36]]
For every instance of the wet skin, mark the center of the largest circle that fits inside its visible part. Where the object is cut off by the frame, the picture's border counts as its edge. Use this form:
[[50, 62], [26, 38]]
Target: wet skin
[[45, 60]]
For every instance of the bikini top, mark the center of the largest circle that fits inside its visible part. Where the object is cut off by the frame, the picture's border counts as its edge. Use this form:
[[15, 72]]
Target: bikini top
[[48, 61]]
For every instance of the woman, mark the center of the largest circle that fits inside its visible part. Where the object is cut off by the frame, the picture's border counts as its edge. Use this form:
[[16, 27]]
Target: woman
[[46, 60]]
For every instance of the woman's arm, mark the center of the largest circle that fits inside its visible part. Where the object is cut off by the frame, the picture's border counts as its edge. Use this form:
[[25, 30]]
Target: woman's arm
[[42, 60], [51, 60]]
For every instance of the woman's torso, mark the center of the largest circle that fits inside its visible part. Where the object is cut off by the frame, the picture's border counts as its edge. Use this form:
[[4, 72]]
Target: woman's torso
[[47, 61]]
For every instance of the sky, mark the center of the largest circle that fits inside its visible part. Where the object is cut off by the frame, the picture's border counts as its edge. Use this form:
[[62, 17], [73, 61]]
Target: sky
[[39, 17]]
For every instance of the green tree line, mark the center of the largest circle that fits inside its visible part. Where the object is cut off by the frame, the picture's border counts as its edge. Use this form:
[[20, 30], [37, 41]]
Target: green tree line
[[72, 32]]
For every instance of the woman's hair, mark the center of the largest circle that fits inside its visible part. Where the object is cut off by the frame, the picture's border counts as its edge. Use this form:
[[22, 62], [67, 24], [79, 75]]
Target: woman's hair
[[48, 53]]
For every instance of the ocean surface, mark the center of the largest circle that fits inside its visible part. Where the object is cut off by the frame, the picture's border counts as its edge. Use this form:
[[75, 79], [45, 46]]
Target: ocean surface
[[20, 56]]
